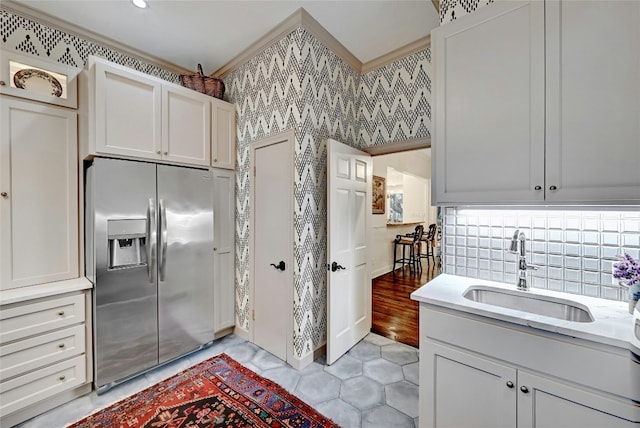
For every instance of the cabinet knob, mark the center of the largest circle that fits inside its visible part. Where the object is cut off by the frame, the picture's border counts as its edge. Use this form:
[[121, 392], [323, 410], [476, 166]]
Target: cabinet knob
[[4, 194], [2, 83], [215, 159], [62, 378], [61, 346], [509, 384], [166, 153], [61, 313], [524, 389], [537, 188], [553, 188], [159, 152], [215, 248]]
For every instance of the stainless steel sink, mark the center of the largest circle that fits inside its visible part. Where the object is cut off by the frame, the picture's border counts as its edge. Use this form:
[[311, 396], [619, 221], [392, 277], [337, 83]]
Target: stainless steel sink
[[533, 303]]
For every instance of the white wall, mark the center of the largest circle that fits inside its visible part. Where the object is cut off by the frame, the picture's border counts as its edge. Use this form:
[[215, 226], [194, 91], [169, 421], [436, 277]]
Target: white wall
[[418, 163]]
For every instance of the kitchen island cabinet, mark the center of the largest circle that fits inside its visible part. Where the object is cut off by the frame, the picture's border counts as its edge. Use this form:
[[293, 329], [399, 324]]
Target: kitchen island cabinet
[[538, 103], [488, 365]]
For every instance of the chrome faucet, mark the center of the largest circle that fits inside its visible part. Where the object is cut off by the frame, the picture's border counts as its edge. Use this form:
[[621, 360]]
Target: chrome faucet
[[519, 240]]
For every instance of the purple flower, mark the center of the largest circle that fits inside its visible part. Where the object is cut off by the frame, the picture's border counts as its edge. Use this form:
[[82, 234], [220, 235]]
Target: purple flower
[[627, 269]]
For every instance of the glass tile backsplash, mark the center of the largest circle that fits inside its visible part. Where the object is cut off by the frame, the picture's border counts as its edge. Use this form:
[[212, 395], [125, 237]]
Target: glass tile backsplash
[[573, 250]]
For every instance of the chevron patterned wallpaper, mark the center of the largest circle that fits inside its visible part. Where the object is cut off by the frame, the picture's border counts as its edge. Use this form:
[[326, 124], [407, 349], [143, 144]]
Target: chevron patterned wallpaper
[[450, 10], [297, 83], [395, 101], [29, 36]]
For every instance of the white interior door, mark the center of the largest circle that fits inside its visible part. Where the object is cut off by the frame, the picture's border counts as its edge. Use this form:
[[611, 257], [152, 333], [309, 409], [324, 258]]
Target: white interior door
[[273, 244], [349, 215]]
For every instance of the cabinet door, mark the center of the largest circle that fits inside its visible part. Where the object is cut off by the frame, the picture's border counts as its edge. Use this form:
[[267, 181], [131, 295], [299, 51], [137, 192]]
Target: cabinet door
[[460, 390], [127, 108], [39, 202], [186, 126], [547, 403], [488, 140], [224, 248], [223, 143], [593, 101]]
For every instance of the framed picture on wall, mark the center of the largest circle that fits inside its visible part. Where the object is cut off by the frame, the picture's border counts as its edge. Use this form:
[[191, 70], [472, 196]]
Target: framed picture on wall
[[378, 195]]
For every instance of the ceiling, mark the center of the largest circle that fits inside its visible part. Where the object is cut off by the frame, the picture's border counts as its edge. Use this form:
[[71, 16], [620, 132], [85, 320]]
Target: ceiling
[[213, 32]]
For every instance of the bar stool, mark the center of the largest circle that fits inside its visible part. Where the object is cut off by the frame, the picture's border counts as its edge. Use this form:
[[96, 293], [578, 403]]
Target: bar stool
[[429, 240], [411, 240]]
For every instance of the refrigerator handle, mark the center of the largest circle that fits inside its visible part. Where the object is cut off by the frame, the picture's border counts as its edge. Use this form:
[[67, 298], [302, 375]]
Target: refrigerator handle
[[163, 239], [151, 239]]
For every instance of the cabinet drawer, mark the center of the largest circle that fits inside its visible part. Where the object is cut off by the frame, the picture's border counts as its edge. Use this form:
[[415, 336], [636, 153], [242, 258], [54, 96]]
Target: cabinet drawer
[[28, 389], [30, 354], [22, 321]]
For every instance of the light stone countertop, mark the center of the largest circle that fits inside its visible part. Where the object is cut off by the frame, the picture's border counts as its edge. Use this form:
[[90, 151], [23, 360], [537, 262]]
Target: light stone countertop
[[612, 322], [22, 294]]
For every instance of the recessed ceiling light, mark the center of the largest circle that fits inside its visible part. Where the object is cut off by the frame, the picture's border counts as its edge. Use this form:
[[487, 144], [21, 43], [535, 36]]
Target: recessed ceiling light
[[142, 4]]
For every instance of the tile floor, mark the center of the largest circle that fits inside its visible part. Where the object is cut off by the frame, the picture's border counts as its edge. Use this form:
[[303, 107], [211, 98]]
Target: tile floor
[[374, 385]]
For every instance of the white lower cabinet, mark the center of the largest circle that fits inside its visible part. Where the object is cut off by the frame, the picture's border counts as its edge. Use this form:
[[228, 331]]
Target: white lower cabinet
[[474, 374], [543, 402], [464, 390], [44, 358]]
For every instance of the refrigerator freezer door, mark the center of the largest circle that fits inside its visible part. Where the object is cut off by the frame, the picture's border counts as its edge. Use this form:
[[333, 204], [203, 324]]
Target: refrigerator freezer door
[[185, 260], [126, 330]]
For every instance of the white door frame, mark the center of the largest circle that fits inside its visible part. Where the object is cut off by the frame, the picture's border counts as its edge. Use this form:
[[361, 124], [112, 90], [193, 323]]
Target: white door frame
[[286, 137]]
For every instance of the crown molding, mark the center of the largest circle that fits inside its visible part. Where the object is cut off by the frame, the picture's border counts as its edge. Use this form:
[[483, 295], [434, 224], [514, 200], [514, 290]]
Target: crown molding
[[70, 28], [317, 30], [291, 23], [299, 18], [395, 55]]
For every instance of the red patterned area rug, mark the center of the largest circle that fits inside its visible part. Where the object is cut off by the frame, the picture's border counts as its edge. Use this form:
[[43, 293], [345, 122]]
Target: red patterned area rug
[[219, 392]]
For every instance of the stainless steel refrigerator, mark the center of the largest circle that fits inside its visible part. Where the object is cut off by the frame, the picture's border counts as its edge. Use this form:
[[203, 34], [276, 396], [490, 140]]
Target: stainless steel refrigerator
[[149, 248]]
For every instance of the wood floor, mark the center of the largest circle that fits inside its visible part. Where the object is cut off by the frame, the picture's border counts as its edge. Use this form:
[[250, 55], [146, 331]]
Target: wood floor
[[394, 314]]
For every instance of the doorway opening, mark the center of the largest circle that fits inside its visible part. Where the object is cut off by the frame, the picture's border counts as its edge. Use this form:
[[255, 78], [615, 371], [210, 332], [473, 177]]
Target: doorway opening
[[405, 170]]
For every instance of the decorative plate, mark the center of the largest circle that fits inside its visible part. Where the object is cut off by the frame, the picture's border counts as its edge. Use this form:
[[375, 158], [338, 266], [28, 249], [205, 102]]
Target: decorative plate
[[37, 81]]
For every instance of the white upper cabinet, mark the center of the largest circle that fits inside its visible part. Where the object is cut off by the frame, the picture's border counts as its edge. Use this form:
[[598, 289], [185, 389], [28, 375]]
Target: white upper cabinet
[[26, 76], [489, 106], [39, 193], [132, 114], [125, 111], [186, 126], [223, 143], [593, 101], [537, 103]]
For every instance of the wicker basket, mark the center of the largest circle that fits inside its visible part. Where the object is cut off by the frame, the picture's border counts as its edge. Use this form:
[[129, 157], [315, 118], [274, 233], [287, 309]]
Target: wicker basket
[[211, 86]]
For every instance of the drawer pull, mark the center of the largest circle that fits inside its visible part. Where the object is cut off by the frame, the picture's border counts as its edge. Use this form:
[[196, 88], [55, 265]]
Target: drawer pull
[[61, 346], [62, 378], [61, 313]]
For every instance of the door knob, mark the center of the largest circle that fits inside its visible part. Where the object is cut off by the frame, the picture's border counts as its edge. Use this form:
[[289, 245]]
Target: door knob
[[279, 266], [335, 266]]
